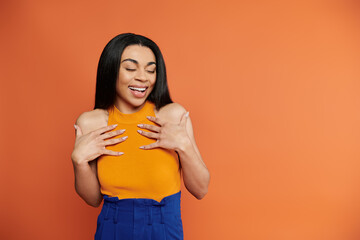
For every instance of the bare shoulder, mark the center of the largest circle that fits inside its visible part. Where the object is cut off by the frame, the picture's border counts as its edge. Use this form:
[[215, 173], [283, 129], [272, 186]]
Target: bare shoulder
[[92, 120], [171, 112]]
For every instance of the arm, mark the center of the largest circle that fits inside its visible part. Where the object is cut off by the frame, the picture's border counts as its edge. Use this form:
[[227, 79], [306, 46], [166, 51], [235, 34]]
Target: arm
[[195, 173], [86, 182], [90, 144], [174, 131]]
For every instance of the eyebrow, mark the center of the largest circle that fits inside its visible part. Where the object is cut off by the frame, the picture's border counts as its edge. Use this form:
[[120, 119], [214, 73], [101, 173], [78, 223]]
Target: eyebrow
[[136, 62]]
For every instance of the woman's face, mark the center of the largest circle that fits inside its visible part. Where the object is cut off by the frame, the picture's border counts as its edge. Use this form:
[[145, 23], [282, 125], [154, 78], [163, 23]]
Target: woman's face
[[137, 76]]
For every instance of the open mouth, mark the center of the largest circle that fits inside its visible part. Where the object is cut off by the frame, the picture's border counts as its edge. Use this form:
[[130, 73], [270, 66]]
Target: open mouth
[[138, 89]]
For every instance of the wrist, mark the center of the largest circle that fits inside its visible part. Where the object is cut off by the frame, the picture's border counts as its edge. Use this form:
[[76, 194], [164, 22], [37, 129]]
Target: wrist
[[184, 146], [78, 162], [81, 165]]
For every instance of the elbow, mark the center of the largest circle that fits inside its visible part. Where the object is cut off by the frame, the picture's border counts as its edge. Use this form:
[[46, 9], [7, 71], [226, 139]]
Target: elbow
[[94, 204], [201, 195], [95, 201], [91, 201], [204, 189]]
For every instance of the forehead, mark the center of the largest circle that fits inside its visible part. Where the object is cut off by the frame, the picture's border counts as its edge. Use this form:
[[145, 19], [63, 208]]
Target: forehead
[[139, 53]]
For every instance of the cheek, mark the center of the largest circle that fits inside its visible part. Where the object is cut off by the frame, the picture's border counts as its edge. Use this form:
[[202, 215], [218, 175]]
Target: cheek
[[153, 80], [123, 80], [121, 88]]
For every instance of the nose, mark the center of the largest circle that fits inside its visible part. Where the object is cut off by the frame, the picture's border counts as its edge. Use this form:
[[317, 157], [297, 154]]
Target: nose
[[140, 75]]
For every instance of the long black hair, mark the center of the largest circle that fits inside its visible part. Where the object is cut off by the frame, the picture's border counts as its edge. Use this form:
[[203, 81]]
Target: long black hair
[[108, 71]]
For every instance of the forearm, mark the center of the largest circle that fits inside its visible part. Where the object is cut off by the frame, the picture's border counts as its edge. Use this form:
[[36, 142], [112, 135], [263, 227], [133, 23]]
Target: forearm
[[195, 173], [87, 184]]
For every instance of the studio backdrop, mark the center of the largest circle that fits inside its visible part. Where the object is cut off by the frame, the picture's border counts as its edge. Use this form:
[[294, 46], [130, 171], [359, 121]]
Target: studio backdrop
[[272, 87]]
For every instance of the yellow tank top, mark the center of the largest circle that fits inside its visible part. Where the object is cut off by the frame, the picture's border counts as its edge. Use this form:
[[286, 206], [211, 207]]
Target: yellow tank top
[[137, 173]]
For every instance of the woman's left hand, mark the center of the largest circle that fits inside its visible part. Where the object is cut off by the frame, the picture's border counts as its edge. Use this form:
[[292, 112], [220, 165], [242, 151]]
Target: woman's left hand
[[168, 135]]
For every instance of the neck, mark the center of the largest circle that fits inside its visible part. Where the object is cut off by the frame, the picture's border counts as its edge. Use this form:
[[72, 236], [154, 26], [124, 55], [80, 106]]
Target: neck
[[127, 108]]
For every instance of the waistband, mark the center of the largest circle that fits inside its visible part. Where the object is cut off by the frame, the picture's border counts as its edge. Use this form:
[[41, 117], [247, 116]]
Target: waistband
[[144, 201], [168, 205]]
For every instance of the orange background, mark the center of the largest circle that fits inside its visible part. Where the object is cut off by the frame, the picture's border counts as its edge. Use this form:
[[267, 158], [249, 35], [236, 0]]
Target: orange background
[[273, 92]]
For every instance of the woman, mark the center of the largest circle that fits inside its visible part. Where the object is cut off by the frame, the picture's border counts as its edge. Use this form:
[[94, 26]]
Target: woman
[[136, 165]]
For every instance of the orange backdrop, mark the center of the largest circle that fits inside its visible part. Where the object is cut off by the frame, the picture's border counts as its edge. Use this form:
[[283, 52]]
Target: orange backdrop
[[272, 88]]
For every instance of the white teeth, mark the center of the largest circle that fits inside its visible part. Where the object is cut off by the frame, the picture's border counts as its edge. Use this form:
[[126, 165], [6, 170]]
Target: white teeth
[[137, 89]]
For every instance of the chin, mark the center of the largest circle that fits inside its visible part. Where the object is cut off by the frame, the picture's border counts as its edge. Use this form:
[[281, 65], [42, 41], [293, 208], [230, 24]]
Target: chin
[[132, 101], [137, 102]]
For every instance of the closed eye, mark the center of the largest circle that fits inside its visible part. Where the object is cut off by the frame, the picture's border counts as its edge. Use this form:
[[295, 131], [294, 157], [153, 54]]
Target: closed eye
[[151, 71], [130, 69]]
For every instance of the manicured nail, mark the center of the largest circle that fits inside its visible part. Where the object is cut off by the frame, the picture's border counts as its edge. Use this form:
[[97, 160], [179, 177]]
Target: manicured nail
[[123, 138], [75, 126], [114, 125], [120, 153], [139, 131], [148, 117], [187, 114], [122, 131], [140, 125], [142, 147]]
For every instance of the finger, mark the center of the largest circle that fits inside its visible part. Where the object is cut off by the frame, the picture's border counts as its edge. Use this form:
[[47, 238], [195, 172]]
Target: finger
[[150, 146], [184, 118], [115, 140], [111, 134], [149, 134], [156, 120], [109, 152], [149, 127], [78, 131], [104, 129]]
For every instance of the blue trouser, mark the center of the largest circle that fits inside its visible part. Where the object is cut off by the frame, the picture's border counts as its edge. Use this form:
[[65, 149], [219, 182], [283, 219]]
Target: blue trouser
[[140, 219]]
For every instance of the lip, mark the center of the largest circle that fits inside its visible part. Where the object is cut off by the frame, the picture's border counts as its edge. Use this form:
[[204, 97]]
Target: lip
[[138, 86], [138, 94]]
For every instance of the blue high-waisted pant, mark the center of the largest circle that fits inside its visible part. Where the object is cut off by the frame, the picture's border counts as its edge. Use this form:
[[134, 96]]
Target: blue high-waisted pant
[[140, 219]]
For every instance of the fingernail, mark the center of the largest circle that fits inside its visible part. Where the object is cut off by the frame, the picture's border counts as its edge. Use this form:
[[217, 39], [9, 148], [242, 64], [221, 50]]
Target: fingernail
[[139, 131], [75, 126], [120, 153], [123, 138], [140, 125], [187, 114], [142, 147], [148, 117], [122, 131], [114, 125]]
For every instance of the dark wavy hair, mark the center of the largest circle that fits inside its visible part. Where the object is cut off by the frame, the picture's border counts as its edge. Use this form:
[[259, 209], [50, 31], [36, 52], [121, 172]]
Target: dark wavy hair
[[108, 71]]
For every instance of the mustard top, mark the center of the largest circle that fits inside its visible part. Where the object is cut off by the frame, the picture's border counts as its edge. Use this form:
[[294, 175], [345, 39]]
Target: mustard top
[[138, 173]]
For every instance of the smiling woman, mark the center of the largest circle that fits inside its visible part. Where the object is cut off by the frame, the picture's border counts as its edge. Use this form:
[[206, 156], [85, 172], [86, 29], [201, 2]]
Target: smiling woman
[[137, 175], [137, 74], [138, 90]]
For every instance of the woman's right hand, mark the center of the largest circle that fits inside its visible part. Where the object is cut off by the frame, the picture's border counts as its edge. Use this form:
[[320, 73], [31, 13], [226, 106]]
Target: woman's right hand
[[92, 145]]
